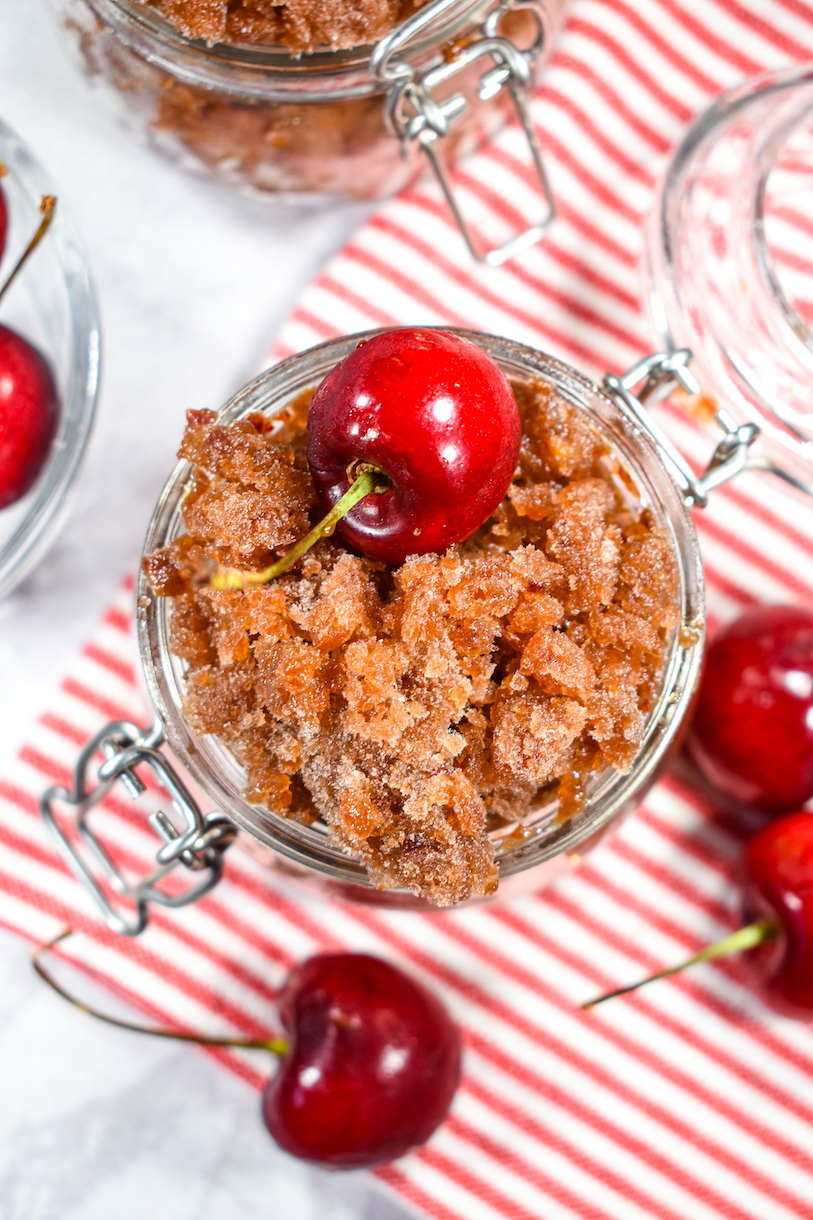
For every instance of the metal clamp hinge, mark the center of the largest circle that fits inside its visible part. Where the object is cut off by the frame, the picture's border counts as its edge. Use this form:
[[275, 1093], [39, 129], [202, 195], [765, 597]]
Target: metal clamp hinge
[[652, 380], [414, 115], [197, 847]]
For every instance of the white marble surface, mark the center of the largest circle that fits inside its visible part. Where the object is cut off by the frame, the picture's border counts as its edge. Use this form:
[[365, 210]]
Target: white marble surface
[[194, 283]]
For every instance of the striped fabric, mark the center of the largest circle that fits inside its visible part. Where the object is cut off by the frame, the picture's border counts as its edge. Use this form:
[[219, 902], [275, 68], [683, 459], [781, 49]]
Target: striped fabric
[[688, 1101]]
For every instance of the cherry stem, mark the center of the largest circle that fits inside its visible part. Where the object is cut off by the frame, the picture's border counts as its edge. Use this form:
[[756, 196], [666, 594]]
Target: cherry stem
[[369, 480], [277, 1046], [744, 938], [47, 208]]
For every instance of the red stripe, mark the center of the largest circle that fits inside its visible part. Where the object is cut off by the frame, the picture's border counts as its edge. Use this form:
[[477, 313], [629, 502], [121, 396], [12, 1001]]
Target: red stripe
[[725, 50], [117, 618], [307, 318], [70, 732], [757, 558], [409, 1188], [612, 99], [343, 293], [110, 709], [770, 33], [788, 258], [549, 1137], [591, 131], [634, 65], [107, 660], [669, 879], [799, 8]]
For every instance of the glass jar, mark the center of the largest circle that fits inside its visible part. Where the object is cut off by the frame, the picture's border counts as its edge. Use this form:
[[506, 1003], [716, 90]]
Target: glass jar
[[730, 261], [544, 845], [332, 124]]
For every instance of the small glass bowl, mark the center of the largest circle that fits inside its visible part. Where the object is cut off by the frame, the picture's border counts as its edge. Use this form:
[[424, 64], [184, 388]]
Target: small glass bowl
[[53, 305], [528, 856]]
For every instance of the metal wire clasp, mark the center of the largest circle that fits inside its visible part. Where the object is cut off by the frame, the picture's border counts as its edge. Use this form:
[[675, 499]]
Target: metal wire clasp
[[414, 114], [652, 380], [198, 846]]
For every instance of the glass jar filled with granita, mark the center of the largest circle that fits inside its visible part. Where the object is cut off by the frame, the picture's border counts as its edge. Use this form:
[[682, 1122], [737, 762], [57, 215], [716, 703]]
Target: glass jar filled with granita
[[465, 722], [307, 100]]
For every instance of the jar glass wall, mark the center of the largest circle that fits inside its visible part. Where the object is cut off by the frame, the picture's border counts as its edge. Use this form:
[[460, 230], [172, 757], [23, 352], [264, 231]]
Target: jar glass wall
[[261, 118], [527, 856], [730, 259]]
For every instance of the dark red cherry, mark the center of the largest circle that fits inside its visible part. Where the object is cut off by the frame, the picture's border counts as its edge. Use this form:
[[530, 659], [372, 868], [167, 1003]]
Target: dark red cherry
[[372, 1065], [752, 735], [29, 411], [779, 869], [437, 416]]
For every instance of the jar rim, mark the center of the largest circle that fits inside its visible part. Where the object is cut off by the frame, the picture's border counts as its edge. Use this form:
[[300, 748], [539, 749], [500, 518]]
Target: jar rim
[[261, 67], [610, 792]]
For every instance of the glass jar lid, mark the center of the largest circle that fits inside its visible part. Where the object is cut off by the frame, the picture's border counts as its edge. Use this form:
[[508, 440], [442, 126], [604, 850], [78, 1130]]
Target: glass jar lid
[[729, 260]]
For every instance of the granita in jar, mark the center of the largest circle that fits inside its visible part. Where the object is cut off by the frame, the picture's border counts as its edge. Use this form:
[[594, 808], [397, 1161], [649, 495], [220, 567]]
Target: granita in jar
[[415, 707]]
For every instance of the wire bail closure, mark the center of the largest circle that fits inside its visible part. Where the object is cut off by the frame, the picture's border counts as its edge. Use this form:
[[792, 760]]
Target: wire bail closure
[[431, 120], [652, 380], [198, 847]]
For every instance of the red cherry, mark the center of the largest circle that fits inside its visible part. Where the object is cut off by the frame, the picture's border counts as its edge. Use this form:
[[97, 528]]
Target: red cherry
[[752, 735], [29, 410], [372, 1065], [437, 416], [779, 867]]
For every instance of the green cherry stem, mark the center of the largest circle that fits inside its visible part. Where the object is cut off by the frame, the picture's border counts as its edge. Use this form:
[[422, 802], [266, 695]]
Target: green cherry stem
[[47, 208], [369, 480], [277, 1046], [744, 938]]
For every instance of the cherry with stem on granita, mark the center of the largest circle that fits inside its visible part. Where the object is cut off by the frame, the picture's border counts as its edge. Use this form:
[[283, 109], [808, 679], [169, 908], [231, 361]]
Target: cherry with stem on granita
[[29, 400], [752, 733], [413, 440], [777, 907], [370, 1060]]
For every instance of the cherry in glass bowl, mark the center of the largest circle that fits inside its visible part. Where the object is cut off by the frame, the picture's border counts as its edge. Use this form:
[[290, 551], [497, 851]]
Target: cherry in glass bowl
[[52, 304]]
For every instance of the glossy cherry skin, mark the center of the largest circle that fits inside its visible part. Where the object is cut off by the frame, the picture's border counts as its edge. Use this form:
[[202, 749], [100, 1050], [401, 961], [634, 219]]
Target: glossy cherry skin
[[752, 735], [372, 1065], [437, 416], [779, 868], [29, 412]]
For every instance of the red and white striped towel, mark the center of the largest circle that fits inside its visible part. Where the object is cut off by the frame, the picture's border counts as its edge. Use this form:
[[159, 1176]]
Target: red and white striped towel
[[689, 1101]]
